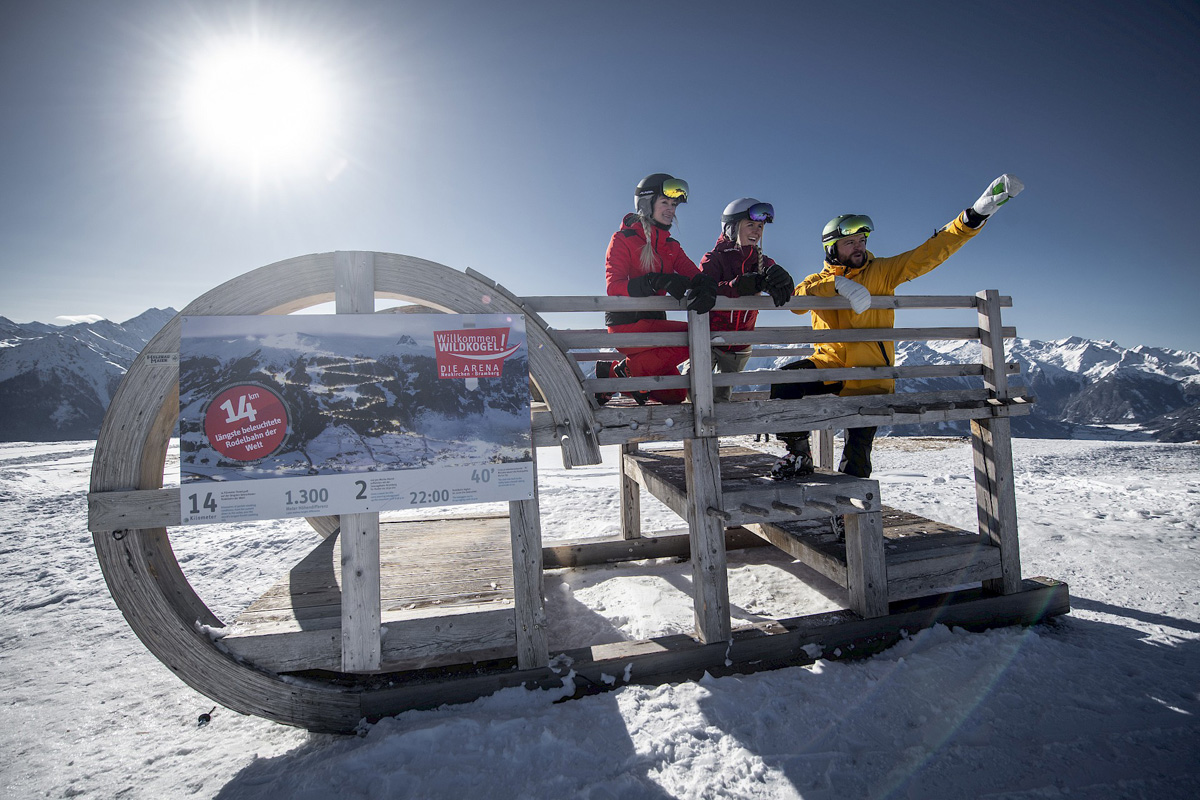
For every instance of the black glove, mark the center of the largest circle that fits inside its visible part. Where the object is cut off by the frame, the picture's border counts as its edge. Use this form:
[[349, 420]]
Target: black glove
[[642, 286], [702, 294], [654, 282], [750, 283], [778, 284], [675, 284]]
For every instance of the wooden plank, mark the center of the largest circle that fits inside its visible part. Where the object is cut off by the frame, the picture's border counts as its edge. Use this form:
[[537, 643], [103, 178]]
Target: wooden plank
[[359, 542], [595, 338], [866, 570], [995, 497], [700, 375], [592, 303], [822, 448], [801, 547], [747, 494], [354, 293], [531, 644], [835, 636], [592, 552], [995, 375], [409, 643], [631, 495], [710, 582]]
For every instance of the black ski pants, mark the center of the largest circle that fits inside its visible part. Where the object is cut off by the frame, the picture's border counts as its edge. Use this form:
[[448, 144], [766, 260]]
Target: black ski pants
[[856, 454]]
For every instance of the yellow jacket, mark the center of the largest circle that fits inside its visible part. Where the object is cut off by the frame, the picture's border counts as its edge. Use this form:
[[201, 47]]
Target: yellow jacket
[[880, 276]]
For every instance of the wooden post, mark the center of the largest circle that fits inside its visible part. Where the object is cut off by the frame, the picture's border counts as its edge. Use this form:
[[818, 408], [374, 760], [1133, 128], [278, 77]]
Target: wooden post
[[525, 526], [866, 568], [700, 373], [354, 293], [710, 583], [822, 442], [631, 496], [991, 442]]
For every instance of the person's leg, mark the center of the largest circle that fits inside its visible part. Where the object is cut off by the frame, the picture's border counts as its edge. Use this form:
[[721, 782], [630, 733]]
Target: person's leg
[[728, 361], [798, 461], [856, 454], [645, 361]]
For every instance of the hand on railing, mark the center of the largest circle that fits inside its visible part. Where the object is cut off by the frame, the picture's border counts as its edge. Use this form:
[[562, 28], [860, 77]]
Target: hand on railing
[[856, 293], [779, 284], [702, 295]]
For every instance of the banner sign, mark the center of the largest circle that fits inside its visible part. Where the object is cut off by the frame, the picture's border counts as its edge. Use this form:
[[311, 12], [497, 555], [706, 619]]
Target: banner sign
[[308, 415]]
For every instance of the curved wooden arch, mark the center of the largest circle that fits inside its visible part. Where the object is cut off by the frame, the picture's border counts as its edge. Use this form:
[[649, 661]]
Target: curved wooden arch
[[140, 566]]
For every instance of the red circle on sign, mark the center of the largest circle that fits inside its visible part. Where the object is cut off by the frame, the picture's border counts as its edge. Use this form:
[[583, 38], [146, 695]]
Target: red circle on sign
[[246, 422]]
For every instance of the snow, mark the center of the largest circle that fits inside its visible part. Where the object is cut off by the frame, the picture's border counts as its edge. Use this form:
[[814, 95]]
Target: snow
[[1102, 703]]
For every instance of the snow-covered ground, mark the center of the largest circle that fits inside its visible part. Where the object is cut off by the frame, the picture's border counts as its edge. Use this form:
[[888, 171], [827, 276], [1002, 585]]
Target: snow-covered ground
[[1102, 703]]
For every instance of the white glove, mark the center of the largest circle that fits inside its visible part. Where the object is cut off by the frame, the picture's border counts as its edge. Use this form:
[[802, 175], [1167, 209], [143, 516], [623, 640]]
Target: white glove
[[1000, 192], [856, 293]]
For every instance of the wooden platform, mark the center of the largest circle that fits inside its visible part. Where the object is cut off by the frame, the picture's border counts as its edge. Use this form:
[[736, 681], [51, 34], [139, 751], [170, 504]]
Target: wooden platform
[[921, 557], [447, 584]]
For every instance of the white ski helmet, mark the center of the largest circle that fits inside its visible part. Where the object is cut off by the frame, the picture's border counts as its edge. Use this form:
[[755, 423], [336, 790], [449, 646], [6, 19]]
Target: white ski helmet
[[744, 208]]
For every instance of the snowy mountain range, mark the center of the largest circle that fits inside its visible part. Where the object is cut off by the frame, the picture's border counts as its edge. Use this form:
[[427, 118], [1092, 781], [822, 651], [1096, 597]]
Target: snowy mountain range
[[57, 381]]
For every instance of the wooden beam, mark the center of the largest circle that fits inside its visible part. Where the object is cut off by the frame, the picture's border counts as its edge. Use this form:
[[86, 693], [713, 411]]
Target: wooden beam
[[995, 497], [700, 375], [592, 303], [631, 495], [710, 581], [866, 570], [591, 552], [837, 635]]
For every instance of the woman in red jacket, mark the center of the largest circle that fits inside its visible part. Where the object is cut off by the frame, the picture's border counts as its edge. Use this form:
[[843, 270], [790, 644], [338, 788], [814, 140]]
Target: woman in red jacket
[[642, 261], [740, 268]]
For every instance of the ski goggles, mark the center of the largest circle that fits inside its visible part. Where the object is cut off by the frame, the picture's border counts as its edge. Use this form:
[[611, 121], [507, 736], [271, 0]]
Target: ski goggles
[[761, 212], [675, 189], [858, 223]]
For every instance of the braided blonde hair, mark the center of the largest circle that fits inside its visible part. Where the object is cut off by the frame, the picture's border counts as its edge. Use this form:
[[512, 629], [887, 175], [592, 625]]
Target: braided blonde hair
[[647, 249]]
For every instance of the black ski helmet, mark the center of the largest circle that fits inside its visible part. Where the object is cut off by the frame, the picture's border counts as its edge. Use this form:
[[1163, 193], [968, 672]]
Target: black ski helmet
[[651, 187], [842, 226], [744, 208]]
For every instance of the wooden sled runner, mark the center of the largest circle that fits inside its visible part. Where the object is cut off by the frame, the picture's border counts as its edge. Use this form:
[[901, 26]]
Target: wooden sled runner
[[365, 627]]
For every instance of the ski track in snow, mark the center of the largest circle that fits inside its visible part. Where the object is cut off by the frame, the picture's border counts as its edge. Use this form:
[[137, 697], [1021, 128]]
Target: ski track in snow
[[1101, 703]]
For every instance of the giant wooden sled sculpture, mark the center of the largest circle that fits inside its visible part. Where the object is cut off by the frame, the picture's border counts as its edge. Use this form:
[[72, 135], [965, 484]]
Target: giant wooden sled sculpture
[[351, 635]]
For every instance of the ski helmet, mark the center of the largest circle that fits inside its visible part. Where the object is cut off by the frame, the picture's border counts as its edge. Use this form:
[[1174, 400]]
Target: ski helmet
[[842, 226], [744, 208], [651, 187]]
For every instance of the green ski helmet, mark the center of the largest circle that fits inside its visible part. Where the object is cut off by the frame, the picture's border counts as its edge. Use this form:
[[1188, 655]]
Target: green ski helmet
[[842, 226]]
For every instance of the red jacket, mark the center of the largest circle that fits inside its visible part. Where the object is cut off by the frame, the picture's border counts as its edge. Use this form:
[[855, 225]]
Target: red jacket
[[623, 261], [725, 263]]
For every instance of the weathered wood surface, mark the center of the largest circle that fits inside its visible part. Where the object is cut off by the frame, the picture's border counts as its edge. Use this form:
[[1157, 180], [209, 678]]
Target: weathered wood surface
[[836, 635], [759, 377], [710, 580], [599, 337], [996, 498], [354, 293], [921, 557], [446, 588], [866, 570], [564, 303], [631, 498], [744, 483]]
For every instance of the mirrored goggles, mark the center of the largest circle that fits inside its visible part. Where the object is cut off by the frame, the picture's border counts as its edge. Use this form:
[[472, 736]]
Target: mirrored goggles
[[761, 212], [675, 189], [859, 223]]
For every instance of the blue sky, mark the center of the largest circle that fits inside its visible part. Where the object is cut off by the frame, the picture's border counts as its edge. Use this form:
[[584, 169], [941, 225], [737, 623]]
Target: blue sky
[[508, 137]]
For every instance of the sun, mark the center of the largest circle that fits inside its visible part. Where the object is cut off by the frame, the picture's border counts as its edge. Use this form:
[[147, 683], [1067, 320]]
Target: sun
[[259, 106]]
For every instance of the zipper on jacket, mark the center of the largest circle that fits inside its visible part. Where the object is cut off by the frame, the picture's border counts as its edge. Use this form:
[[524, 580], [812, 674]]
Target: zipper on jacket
[[886, 361]]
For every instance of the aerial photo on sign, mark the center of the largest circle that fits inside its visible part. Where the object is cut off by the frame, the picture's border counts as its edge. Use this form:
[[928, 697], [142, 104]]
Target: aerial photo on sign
[[307, 395]]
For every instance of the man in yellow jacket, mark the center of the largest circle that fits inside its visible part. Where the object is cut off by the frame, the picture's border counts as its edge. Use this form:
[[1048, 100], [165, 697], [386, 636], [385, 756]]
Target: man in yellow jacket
[[856, 274]]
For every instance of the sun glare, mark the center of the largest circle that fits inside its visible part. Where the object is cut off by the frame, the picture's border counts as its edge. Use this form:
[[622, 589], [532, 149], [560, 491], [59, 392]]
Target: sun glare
[[259, 107]]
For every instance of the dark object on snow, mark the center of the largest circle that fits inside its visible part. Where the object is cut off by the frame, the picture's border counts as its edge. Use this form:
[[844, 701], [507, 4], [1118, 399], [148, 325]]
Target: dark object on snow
[[204, 719]]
